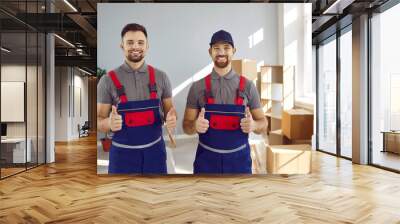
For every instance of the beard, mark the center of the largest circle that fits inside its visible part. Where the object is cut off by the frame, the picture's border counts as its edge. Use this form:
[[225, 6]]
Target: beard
[[135, 59], [221, 64]]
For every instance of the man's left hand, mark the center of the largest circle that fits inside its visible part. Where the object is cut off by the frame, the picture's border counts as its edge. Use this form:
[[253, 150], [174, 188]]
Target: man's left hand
[[170, 122], [247, 123]]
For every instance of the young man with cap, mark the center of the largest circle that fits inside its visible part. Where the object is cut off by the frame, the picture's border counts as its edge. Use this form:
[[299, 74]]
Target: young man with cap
[[223, 108], [132, 102]]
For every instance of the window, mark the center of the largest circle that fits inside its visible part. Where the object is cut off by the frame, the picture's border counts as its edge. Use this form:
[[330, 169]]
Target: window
[[22, 74], [346, 93], [385, 88], [327, 96]]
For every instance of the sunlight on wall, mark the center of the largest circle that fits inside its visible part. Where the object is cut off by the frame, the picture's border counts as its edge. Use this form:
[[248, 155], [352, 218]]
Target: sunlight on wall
[[290, 17], [291, 51], [256, 38], [197, 76]]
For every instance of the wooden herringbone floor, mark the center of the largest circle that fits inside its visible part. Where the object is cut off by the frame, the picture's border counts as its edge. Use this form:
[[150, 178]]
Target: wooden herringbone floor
[[69, 191]]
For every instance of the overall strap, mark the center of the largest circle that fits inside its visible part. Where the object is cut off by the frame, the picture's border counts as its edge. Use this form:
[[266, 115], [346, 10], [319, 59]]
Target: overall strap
[[239, 96], [152, 82], [240, 93], [208, 93], [120, 88]]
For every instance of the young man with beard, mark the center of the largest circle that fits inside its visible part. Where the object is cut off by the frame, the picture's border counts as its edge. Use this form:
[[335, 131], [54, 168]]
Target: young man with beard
[[132, 102], [223, 108]]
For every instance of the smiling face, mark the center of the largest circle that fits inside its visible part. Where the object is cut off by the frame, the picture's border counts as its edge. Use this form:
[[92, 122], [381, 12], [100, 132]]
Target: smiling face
[[221, 54], [134, 44]]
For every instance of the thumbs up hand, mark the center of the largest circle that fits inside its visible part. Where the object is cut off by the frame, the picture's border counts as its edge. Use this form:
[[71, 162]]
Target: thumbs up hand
[[202, 124], [247, 123], [170, 121], [115, 119]]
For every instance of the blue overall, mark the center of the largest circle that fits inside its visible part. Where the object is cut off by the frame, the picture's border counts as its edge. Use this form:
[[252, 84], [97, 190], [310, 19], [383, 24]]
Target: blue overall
[[224, 148], [139, 146]]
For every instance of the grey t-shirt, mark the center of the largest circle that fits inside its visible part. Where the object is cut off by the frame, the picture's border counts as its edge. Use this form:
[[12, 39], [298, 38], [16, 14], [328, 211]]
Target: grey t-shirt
[[224, 89], [136, 85]]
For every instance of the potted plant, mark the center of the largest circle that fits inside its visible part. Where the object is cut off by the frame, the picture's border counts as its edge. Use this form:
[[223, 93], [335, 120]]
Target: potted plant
[[100, 72]]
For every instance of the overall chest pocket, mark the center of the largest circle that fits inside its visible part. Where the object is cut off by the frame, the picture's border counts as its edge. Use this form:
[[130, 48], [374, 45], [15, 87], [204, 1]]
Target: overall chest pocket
[[139, 118], [224, 122]]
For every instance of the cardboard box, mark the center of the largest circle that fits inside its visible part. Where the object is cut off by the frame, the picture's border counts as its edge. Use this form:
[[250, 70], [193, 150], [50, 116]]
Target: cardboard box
[[277, 138], [392, 142], [258, 83], [297, 124], [300, 142], [245, 67], [289, 159], [276, 124]]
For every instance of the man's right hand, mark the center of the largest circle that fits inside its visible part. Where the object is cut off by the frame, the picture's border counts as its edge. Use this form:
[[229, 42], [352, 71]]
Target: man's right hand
[[115, 120], [202, 124]]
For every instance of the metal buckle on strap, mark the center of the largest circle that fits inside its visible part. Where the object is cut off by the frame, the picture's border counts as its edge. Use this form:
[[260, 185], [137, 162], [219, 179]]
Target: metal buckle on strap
[[136, 146], [222, 150]]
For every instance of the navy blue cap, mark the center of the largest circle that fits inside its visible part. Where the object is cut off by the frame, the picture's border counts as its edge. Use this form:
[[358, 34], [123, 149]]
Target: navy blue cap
[[223, 36]]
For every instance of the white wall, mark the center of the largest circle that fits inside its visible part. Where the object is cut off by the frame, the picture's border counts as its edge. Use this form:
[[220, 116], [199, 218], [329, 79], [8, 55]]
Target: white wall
[[80, 83], [68, 79], [33, 126], [16, 73], [297, 47], [61, 103], [179, 36]]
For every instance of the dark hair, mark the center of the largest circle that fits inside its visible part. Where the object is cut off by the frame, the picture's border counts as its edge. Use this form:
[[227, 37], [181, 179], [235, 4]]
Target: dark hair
[[133, 27]]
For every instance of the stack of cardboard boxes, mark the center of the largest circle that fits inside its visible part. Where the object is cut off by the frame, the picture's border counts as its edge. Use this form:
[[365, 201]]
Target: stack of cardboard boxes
[[297, 125], [295, 156], [286, 125]]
